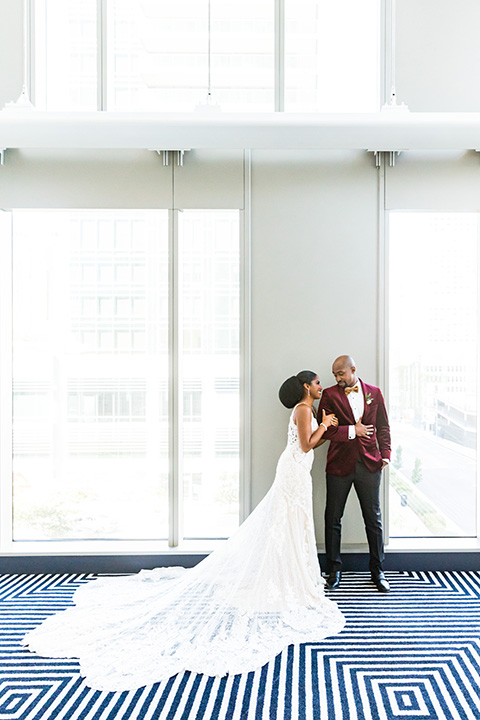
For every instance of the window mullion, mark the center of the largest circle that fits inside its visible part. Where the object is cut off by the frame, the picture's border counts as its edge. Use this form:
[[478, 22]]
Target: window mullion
[[279, 55], [387, 49], [175, 494], [29, 50], [6, 434], [101, 54], [245, 342]]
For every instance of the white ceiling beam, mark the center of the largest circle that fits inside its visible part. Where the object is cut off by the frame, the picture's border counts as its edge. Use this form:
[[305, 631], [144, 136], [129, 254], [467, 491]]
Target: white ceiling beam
[[379, 131]]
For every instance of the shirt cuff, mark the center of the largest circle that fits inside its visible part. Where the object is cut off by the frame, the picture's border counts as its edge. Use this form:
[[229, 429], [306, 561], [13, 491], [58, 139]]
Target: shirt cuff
[[351, 432], [386, 460]]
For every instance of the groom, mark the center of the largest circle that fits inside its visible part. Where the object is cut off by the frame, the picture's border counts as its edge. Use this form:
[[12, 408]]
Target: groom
[[358, 452]]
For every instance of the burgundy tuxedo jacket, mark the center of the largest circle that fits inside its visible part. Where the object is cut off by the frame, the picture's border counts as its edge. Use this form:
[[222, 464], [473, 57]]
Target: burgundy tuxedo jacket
[[344, 453]]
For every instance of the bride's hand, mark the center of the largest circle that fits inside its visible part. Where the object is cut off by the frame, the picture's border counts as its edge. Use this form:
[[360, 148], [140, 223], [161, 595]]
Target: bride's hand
[[329, 419]]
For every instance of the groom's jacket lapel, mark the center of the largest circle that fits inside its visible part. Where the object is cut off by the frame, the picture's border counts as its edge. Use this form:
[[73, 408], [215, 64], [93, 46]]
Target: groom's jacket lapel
[[367, 408], [371, 403]]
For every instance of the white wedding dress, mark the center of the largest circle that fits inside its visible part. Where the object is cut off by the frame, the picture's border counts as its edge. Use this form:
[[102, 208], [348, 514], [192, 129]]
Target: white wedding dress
[[236, 610]]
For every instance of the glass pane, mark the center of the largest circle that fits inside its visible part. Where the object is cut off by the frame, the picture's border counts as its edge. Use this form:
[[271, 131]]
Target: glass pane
[[332, 52], [433, 373], [90, 415], [210, 379], [158, 54], [66, 54]]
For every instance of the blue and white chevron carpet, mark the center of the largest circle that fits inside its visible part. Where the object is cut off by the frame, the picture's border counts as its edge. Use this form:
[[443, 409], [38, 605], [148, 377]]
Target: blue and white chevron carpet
[[413, 653]]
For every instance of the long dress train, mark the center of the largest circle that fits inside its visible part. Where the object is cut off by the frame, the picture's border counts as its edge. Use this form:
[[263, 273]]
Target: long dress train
[[256, 594]]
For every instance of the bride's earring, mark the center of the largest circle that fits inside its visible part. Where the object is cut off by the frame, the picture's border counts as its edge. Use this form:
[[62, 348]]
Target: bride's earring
[[308, 390]]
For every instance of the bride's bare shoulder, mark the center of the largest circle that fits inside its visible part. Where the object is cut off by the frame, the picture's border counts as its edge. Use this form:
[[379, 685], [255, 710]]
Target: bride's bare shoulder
[[302, 410]]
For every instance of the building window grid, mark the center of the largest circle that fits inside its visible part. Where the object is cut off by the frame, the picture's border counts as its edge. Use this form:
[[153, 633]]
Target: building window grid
[[225, 283], [107, 406], [108, 270]]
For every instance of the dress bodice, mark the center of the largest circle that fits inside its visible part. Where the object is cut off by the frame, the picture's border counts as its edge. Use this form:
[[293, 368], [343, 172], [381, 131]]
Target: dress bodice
[[293, 442]]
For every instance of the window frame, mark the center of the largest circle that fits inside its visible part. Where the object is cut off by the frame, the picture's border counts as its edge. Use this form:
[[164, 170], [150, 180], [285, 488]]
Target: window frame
[[175, 542]]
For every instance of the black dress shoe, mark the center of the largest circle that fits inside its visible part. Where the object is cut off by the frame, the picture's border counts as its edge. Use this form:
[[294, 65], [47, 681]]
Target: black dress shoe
[[333, 580], [381, 582]]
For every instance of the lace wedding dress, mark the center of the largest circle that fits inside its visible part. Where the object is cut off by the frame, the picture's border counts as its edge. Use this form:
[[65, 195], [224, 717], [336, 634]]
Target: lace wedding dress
[[236, 610]]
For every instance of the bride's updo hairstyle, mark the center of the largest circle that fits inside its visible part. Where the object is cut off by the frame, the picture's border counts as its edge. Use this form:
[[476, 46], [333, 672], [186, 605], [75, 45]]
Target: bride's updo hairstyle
[[292, 391]]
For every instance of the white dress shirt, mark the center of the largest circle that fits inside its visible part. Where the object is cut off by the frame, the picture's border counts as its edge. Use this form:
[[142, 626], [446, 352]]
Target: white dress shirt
[[357, 403]]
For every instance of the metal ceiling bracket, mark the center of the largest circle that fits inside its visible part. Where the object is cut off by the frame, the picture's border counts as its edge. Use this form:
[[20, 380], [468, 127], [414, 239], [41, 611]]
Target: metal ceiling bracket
[[165, 154], [381, 157]]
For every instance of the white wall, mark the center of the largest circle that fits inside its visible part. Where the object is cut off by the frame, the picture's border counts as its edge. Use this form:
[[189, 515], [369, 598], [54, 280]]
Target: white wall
[[36, 178], [314, 289], [448, 180], [92, 179]]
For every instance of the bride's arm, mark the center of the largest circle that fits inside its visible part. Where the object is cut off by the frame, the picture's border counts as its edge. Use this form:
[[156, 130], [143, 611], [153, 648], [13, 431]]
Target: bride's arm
[[303, 419]]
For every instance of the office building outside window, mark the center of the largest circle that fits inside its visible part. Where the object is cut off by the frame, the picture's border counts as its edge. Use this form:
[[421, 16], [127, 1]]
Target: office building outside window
[[433, 372], [91, 374]]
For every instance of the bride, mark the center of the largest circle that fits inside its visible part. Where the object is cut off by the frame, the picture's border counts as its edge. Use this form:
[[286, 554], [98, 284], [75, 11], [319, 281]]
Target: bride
[[256, 594]]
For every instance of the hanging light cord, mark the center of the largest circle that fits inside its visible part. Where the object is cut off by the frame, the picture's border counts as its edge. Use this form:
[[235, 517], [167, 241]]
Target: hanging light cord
[[393, 50]]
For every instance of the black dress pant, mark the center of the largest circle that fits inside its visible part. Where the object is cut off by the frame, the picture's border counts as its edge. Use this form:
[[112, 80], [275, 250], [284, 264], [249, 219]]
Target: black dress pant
[[367, 487]]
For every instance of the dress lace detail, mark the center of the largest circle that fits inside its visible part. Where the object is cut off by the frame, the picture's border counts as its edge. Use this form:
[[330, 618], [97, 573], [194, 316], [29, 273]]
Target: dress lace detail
[[256, 594]]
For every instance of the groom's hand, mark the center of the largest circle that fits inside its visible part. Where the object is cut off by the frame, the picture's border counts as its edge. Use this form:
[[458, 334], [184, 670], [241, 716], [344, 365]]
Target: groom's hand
[[363, 430]]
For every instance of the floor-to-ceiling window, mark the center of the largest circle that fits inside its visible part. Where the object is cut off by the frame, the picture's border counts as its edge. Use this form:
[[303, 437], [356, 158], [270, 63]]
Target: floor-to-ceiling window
[[255, 56], [126, 334], [433, 372]]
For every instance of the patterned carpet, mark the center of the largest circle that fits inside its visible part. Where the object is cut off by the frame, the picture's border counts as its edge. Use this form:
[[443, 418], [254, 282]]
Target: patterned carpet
[[413, 653]]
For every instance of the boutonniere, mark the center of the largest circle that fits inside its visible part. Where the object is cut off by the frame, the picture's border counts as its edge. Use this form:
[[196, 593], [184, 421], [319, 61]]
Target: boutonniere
[[368, 398]]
